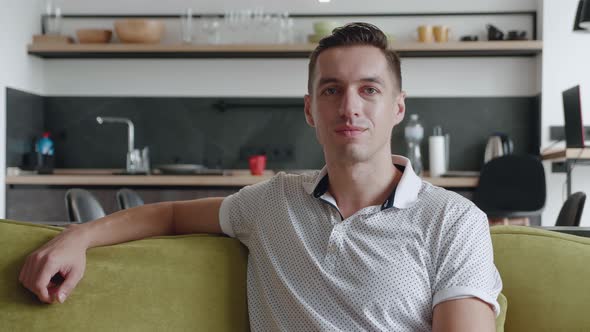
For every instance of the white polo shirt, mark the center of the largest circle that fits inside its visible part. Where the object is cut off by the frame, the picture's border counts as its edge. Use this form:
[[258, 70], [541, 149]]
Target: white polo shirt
[[382, 269]]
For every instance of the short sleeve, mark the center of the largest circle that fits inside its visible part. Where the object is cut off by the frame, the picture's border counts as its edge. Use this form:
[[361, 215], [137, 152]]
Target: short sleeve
[[238, 211], [465, 260]]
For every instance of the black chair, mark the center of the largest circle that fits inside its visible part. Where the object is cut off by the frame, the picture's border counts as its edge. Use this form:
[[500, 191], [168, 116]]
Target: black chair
[[128, 198], [511, 186], [82, 206], [571, 210]]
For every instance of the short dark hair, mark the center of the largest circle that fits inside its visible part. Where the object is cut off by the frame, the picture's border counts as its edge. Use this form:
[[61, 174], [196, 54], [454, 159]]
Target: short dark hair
[[352, 34]]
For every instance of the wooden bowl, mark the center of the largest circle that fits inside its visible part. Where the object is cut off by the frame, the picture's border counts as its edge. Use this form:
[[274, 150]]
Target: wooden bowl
[[94, 36], [325, 28], [139, 30]]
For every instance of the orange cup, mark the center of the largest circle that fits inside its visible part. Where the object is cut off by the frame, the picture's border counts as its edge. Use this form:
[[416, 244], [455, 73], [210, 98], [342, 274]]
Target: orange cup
[[257, 164]]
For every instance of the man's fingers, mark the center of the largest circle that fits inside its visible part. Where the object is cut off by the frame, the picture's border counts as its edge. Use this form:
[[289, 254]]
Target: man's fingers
[[72, 279], [41, 282], [44, 270], [42, 292]]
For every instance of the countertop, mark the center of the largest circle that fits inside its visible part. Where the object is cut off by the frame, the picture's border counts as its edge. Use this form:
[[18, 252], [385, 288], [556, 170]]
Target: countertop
[[238, 178]]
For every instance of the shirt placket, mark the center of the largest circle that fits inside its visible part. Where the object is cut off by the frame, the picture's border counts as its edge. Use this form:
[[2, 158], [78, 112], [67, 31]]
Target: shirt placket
[[335, 240], [334, 246]]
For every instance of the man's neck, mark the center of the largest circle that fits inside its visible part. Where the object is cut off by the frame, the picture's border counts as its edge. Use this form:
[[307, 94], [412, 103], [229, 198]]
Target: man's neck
[[355, 186]]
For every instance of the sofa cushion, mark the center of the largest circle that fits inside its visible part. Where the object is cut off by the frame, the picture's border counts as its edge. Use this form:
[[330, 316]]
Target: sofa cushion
[[545, 276], [157, 284]]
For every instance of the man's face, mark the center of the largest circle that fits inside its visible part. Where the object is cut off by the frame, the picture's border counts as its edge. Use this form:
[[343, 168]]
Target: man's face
[[354, 103]]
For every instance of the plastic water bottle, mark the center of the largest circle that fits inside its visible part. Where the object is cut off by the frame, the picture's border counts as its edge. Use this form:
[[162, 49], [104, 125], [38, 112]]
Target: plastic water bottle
[[414, 133], [45, 145]]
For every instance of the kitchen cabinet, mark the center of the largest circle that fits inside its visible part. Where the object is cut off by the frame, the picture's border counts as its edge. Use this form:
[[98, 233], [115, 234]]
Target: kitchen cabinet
[[46, 203]]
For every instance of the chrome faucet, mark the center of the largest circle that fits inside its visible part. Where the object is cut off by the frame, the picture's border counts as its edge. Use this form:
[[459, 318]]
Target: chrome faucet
[[137, 161]]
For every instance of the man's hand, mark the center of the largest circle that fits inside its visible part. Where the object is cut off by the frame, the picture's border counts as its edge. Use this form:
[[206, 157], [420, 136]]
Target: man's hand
[[470, 314], [53, 271], [64, 257]]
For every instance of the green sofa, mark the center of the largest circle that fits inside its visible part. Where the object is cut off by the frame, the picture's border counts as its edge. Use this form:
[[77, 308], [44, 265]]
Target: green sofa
[[197, 283], [181, 283], [546, 278]]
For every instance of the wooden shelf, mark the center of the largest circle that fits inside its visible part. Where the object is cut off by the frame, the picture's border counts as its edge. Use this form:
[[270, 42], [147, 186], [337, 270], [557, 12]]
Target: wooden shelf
[[171, 51], [563, 154]]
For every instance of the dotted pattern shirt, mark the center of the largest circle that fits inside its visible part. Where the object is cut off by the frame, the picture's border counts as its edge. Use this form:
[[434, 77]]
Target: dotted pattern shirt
[[382, 269]]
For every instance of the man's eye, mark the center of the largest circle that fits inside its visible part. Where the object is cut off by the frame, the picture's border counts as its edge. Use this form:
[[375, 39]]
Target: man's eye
[[329, 91], [371, 90]]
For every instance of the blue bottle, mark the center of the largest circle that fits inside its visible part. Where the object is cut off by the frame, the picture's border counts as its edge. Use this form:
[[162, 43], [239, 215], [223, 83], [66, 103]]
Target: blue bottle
[[45, 145]]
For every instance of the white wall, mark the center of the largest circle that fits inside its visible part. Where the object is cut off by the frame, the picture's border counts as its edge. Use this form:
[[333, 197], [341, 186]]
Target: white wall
[[19, 20], [300, 6], [280, 77], [565, 64]]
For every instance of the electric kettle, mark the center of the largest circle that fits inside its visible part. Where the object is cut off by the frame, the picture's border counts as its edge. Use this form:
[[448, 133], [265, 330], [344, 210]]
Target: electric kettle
[[498, 145]]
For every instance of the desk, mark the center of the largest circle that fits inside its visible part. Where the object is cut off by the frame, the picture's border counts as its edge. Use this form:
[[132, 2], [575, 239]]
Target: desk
[[573, 230], [569, 157]]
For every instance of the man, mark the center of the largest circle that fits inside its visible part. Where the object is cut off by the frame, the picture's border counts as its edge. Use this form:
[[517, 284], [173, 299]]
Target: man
[[363, 244]]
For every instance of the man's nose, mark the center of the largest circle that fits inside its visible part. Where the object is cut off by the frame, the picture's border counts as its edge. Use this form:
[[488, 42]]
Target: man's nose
[[350, 104]]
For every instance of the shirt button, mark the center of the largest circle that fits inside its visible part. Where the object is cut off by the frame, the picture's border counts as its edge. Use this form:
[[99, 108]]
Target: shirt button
[[332, 248]]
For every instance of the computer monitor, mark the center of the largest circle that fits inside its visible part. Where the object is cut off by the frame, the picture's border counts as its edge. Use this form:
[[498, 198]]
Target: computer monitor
[[572, 110]]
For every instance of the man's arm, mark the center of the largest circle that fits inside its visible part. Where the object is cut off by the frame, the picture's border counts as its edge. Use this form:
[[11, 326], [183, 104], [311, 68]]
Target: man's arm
[[166, 218], [468, 314], [65, 254]]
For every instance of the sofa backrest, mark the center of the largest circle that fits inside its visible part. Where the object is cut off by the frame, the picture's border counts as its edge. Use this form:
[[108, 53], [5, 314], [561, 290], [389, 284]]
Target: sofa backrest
[[179, 284], [546, 278], [156, 284]]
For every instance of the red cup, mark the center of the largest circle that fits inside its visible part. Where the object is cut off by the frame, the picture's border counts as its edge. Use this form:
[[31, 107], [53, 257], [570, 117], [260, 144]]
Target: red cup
[[257, 164]]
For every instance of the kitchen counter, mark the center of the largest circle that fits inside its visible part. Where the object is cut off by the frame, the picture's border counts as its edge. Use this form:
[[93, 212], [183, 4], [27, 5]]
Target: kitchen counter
[[105, 177], [238, 178], [46, 192]]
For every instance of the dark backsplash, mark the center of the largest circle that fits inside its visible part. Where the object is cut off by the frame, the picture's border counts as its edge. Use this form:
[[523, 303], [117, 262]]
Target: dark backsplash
[[469, 122], [219, 132], [180, 130], [24, 124]]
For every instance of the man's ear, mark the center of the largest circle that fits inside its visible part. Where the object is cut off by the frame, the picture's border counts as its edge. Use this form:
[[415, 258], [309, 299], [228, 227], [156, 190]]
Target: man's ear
[[400, 107], [307, 110]]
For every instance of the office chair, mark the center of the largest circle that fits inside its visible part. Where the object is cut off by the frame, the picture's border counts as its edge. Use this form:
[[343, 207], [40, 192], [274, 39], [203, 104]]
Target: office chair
[[128, 198], [82, 206], [511, 186], [571, 210]]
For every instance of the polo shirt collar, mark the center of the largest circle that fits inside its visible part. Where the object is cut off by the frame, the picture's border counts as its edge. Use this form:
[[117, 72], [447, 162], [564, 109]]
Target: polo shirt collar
[[401, 197]]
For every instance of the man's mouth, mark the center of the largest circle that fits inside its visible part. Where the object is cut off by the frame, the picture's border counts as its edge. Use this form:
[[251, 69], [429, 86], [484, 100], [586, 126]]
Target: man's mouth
[[350, 131]]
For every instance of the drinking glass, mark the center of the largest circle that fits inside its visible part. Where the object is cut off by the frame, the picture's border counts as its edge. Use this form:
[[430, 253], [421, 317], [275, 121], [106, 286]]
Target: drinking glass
[[54, 18], [186, 26]]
